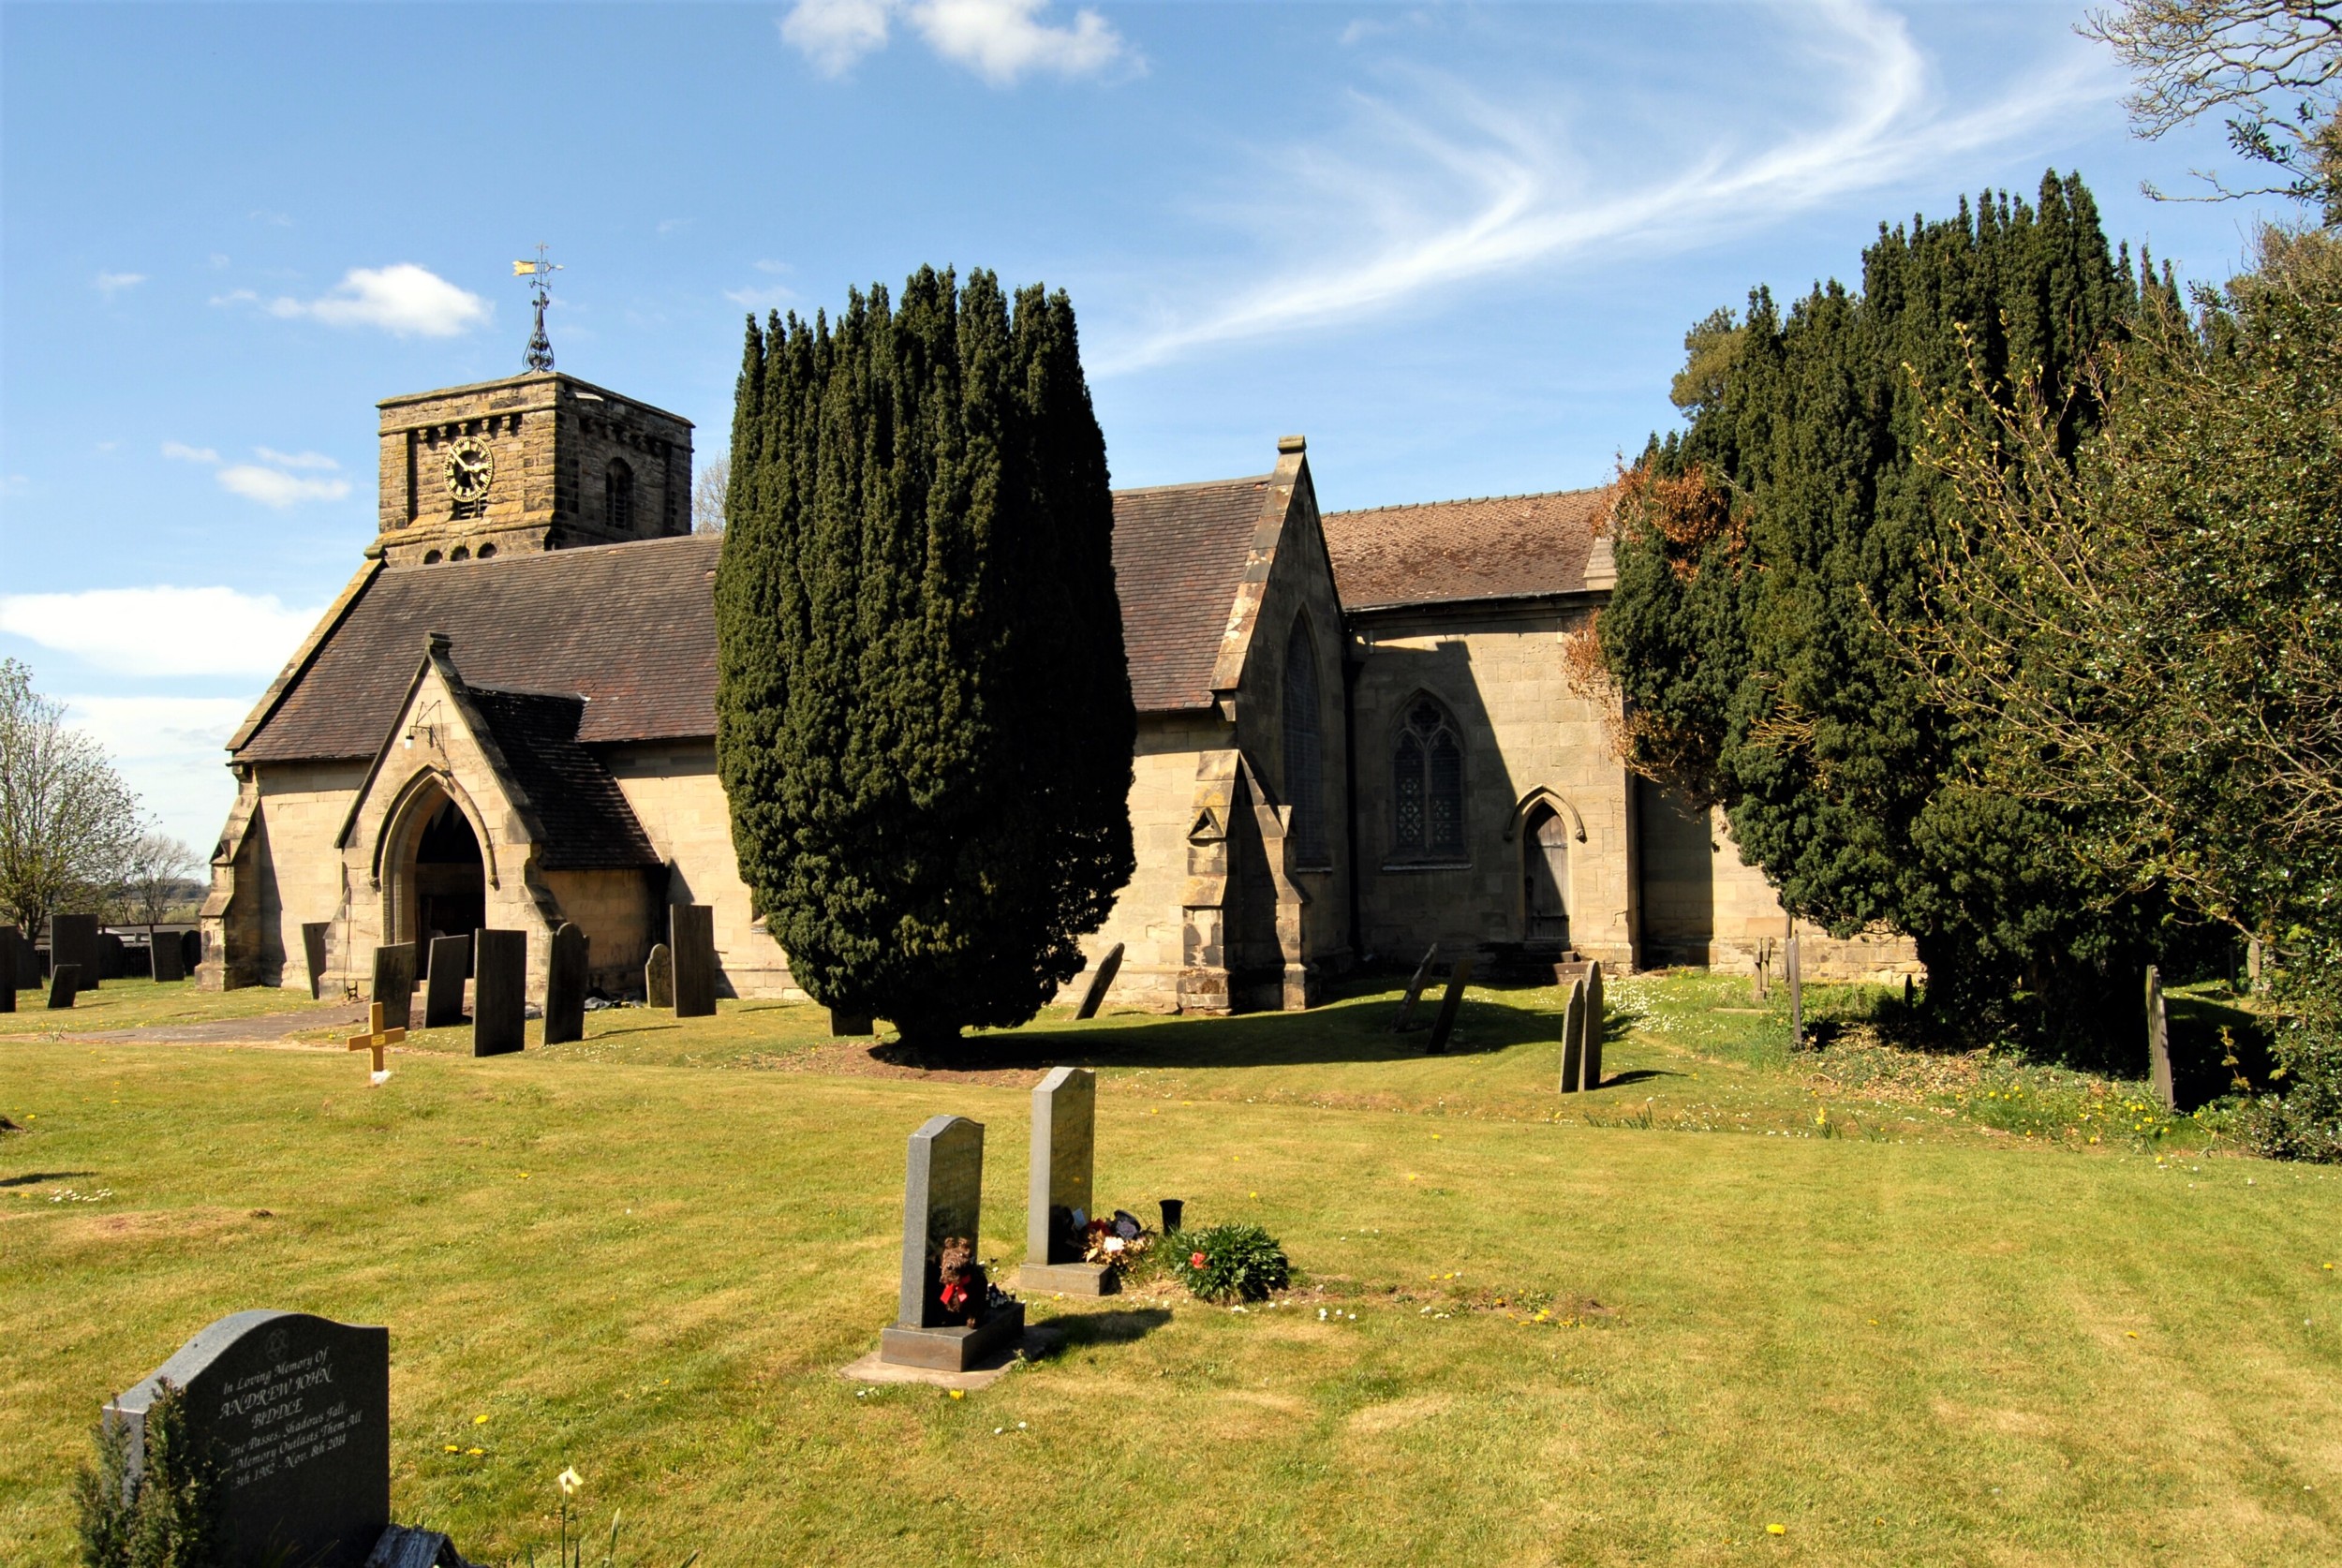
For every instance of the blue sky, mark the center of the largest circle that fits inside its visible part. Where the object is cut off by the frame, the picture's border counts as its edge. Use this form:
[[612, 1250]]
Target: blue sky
[[1456, 246]]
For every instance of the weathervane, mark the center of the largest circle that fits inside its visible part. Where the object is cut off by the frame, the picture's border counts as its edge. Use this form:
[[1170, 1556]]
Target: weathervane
[[539, 273]]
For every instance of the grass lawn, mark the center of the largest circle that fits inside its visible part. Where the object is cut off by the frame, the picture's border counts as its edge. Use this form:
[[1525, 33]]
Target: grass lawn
[[1902, 1306]]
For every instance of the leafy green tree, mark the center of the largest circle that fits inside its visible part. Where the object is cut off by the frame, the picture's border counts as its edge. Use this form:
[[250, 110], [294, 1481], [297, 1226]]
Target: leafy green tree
[[68, 823], [923, 718]]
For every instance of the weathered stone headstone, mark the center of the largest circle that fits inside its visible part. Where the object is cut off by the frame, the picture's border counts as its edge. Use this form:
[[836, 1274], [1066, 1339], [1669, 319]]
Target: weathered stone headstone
[[692, 937], [1100, 983], [443, 984], [7, 969], [1793, 971], [943, 1196], [394, 982], [2158, 1043], [1574, 1038], [313, 952], [113, 957], [658, 977], [299, 1410], [565, 987], [499, 992], [1592, 1034], [1405, 1020], [73, 939], [164, 954], [849, 1026], [1059, 1204], [190, 950], [1457, 978], [65, 980]]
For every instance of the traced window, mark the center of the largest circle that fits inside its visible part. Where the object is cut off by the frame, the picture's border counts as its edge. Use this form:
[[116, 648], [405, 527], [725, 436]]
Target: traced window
[[1427, 786], [1305, 752], [621, 497]]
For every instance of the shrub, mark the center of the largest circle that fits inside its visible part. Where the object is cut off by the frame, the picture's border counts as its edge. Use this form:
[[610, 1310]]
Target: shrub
[[169, 1516], [1228, 1262]]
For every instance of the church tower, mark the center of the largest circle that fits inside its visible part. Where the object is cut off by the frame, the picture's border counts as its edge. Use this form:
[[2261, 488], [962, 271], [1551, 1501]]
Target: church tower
[[541, 461]]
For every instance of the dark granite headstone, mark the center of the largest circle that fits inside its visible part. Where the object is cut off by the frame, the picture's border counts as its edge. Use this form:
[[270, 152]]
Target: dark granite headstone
[[499, 992], [113, 958], [849, 1026], [7, 969], [1059, 1202], [943, 1197], [1574, 1038], [313, 951], [394, 983], [1100, 982], [1593, 1032], [190, 950], [299, 1410], [64, 982], [443, 986], [164, 954], [691, 938], [2158, 1043], [1405, 1020], [73, 939], [658, 977], [1457, 979], [565, 987]]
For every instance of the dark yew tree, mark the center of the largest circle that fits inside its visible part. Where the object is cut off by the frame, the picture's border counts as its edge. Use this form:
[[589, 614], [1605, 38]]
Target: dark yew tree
[[923, 719]]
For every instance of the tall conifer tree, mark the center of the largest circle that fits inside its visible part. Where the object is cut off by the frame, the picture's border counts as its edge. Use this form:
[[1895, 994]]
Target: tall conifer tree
[[923, 718]]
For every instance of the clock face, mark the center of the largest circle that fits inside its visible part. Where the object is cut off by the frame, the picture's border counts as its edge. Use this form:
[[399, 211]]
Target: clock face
[[469, 468]]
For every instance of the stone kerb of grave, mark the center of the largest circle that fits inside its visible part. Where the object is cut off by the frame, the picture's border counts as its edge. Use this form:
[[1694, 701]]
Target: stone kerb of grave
[[499, 992], [951, 1320], [1058, 1205], [297, 1408]]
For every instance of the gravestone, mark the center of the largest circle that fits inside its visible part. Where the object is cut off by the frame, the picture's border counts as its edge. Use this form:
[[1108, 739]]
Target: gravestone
[[394, 982], [658, 977], [1059, 1204], [943, 1196], [1592, 1034], [565, 987], [2158, 1043], [1095, 992], [1574, 1038], [64, 981], [1456, 979], [73, 939], [499, 992], [313, 950], [190, 950], [1405, 1020], [844, 1026], [164, 952], [298, 1408], [7, 969], [1793, 971], [113, 957], [691, 938], [443, 985]]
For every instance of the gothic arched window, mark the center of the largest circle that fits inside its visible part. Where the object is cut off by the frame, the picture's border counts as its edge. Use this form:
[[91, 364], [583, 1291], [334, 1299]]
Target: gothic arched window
[[1305, 752], [1426, 785], [621, 495]]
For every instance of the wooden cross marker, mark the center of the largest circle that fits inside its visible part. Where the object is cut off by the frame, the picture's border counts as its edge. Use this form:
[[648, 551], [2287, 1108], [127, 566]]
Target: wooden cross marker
[[377, 1039]]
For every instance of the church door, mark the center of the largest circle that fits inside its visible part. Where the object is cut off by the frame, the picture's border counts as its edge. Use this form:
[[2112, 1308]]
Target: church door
[[1545, 850], [451, 882]]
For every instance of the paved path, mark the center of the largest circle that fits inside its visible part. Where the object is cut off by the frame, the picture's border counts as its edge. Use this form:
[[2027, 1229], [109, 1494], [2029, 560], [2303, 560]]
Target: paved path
[[268, 1029]]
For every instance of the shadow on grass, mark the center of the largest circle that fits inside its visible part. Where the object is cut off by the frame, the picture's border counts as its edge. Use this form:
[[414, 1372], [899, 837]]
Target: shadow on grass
[[31, 1178], [1639, 1074], [1119, 1327]]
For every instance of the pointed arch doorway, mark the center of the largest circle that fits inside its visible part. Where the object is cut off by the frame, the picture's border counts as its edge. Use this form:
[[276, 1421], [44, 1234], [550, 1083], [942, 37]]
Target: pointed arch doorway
[[1545, 875], [445, 880]]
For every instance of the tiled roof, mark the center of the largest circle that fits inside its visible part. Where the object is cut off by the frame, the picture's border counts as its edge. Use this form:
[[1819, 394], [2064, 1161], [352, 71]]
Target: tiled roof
[[1445, 552], [630, 628], [1179, 551], [586, 822]]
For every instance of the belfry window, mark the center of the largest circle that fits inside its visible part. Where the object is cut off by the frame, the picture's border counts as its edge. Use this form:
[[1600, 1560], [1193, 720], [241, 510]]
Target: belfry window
[[1305, 752], [1427, 786], [620, 493]]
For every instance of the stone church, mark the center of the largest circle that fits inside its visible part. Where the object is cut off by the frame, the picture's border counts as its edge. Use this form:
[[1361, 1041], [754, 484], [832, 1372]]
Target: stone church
[[1358, 732]]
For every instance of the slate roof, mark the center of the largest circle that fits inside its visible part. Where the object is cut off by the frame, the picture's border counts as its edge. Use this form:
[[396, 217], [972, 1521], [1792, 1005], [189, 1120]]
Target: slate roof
[[630, 628], [1450, 552], [1179, 551], [587, 821]]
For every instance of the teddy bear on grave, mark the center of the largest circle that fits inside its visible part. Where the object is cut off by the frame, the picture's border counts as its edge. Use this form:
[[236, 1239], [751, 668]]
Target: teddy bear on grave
[[962, 1285]]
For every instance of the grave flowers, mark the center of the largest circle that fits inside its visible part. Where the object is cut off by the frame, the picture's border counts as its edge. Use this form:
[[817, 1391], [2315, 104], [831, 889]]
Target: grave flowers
[[1119, 1243]]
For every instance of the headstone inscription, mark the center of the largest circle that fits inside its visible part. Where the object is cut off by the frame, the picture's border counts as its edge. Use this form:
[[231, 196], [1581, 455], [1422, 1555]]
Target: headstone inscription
[[395, 982], [499, 992], [168, 957], [1591, 1035], [313, 950], [7, 969], [948, 1321], [298, 1408], [73, 939], [692, 937], [64, 982], [565, 986], [658, 977], [1574, 1038], [1100, 983], [1457, 978], [1059, 1204], [2160, 1042], [1405, 1020], [443, 984]]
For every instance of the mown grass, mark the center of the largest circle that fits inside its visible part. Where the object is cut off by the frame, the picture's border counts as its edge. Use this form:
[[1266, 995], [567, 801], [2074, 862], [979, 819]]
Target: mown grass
[[1924, 1339]]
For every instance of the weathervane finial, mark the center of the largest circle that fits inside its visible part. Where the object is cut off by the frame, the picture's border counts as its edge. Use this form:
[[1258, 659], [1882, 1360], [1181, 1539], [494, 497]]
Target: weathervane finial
[[540, 274]]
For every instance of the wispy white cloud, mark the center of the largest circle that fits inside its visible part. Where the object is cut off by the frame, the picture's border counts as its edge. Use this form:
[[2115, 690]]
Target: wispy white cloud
[[1445, 185], [295, 459], [170, 750], [1000, 41], [273, 487], [769, 297], [402, 298], [185, 454], [111, 284], [161, 631]]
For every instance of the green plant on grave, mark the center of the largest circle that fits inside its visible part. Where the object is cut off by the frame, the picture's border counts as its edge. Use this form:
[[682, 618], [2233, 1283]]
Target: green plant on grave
[[1228, 1262], [169, 1516]]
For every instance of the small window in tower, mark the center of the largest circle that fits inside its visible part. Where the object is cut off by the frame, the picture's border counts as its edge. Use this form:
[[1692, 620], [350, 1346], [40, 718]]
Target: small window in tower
[[461, 553], [431, 557], [621, 494], [486, 551]]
